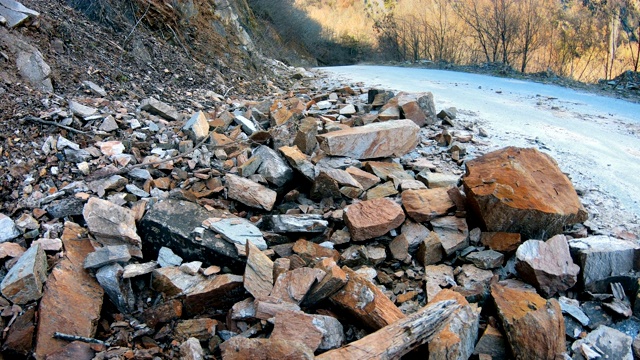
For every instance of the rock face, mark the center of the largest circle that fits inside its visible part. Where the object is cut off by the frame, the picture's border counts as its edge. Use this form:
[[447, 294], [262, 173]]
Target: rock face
[[72, 298], [391, 138], [373, 218], [602, 258], [547, 265], [112, 224], [534, 326], [522, 191], [23, 283]]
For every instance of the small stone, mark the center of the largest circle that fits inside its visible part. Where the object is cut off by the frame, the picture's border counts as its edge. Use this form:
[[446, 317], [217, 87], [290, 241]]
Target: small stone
[[12, 250], [8, 230], [81, 110], [273, 167], [318, 332], [111, 148], [166, 258], [107, 255], [312, 252], [108, 124], [457, 339], [303, 223], [162, 313], [191, 350], [372, 218], [213, 292], [95, 88], [239, 348], [349, 109], [23, 283], [299, 161], [437, 277], [487, 259], [453, 233], [191, 268], [133, 270], [172, 281], [112, 224], [430, 251], [493, 344], [160, 108], [365, 179], [333, 281], [250, 193], [243, 310], [65, 143], [202, 329], [305, 138], [473, 283]]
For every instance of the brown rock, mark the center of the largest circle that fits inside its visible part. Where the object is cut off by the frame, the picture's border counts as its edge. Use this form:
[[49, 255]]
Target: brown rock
[[305, 138], [9, 249], [335, 278], [385, 170], [522, 191], [271, 306], [311, 252], [392, 138], [365, 179], [20, 335], [427, 204], [258, 274], [280, 266], [172, 281], [76, 350], [72, 298], [239, 348], [457, 338], [296, 326], [501, 241], [534, 326], [202, 329], [547, 265], [372, 218], [366, 302], [437, 277], [214, 292], [399, 248], [293, 285], [430, 250], [418, 107], [453, 233], [473, 283], [111, 224], [162, 313], [381, 191], [250, 193]]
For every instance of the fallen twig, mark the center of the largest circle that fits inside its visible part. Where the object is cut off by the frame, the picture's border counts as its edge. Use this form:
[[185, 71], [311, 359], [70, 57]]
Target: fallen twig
[[137, 23], [69, 337], [46, 122]]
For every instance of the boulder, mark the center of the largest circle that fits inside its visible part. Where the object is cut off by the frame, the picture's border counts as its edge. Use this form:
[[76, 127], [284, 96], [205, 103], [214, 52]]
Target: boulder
[[372, 218], [522, 191], [391, 138], [547, 265]]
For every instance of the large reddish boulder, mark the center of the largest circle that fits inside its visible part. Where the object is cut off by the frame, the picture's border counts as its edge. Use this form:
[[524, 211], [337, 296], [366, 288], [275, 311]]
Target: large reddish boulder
[[522, 191]]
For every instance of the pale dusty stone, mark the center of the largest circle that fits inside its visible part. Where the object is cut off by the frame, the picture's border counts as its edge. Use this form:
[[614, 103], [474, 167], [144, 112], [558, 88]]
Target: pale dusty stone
[[197, 127], [437, 277], [133, 270], [237, 231], [160, 108], [191, 350], [453, 233], [8, 230], [258, 274], [239, 348], [293, 285], [107, 255], [112, 224]]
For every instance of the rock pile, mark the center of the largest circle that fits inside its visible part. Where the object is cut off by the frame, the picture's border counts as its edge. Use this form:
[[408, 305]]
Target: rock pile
[[335, 222]]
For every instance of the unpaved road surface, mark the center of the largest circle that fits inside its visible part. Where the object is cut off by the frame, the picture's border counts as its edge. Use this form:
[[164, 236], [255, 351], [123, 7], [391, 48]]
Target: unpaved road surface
[[595, 139]]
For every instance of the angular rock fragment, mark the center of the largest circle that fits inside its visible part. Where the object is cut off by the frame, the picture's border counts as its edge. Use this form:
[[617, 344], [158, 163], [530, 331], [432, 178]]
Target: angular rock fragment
[[19, 337], [453, 233], [305, 138], [602, 258], [133, 270], [437, 277], [424, 205], [80, 110], [258, 274], [493, 344], [486, 259], [299, 161], [365, 179], [522, 191], [107, 255], [250, 193], [391, 138], [167, 258], [605, 343], [191, 350], [473, 283], [240, 348], [273, 167], [162, 313], [172, 281], [310, 252], [23, 283], [417, 107], [335, 278], [197, 127], [296, 326], [118, 289], [201, 329], [430, 250], [213, 293], [237, 231], [457, 339], [294, 285], [547, 265], [160, 108], [112, 224], [72, 299], [302, 223], [8, 230], [501, 241], [534, 326], [372, 218], [438, 180]]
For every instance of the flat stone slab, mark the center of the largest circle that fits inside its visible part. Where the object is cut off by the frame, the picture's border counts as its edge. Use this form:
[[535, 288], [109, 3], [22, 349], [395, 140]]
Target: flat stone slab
[[23, 283], [237, 231]]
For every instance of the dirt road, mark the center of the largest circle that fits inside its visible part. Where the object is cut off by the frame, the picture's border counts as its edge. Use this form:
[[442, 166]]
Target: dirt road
[[594, 139]]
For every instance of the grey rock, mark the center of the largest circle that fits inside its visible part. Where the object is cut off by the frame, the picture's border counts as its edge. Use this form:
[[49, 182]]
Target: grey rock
[[354, 255], [172, 281], [302, 223], [450, 113], [492, 343], [415, 233], [117, 288], [247, 125], [111, 224], [237, 231], [338, 162], [33, 68], [437, 180], [80, 110], [473, 283], [171, 223], [191, 268], [95, 88], [572, 307], [197, 127], [160, 108], [136, 191], [133, 270], [107, 255], [108, 124], [273, 167], [70, 206], [332, 332], [243, 310], [62, 143], [453, 233], [167, 258], [603, 343], [100, 186], [15, 13], [596, 314], [8, 230], [487, 259], [141, 174], [602, 258], [77, 156], [23, 283], [191, 350], [437, 277]]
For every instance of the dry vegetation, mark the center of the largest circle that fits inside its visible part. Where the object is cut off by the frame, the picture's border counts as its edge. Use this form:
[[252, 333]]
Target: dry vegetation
[[584, 40]]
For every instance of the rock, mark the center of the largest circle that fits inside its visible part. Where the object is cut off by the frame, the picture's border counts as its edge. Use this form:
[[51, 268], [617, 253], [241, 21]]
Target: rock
[[14, 13], [487, 259], [415, 233], [237, 231], [118, 289], [32, 67], [191, 350], [372, 218], [19, 337], [270, 307], [392, 138], [167, 258], [311, 252], [160, 108], [365, 302], [473, 283], [95, 88], [171, 223], [299, 161], [191, 268], [418, 107], [522, 191], [348, 109], [572, 308], [202, 329], [240, 348], [424, 205], [604, 343], [23, 283], [430, 250], [258, 274], [453, 233], [273, 167], [302, 223], [501, 241], [80, 110], [111, 224], [399, 248], [213, 293], [493, 344], [243, 310], [450, 113], [75, 350], [318, 332], [365, 179], [293, 285], [8, 230], [247, 125], [49, 244], [107, 255], [457, 339], [547, 265], [162, 313], [70, 206], [133, 270], [197, 127], [12, 250], [390, 111], [335, 278], [602, 259], [305, 138], [437, 277], [534, 326], [72, 299], [108, 124], [172, 281], [250, 193], [438, 180]]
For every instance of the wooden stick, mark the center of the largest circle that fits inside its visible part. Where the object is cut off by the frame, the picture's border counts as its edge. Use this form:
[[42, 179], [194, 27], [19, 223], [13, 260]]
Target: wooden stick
[[38, 120], [394, 340]]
